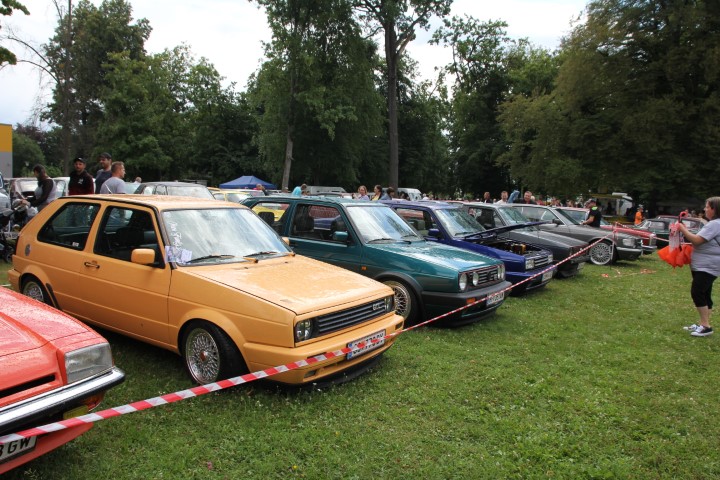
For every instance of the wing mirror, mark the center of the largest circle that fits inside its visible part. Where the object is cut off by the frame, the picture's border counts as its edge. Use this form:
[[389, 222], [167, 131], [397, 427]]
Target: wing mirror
[[340, 237], [434, 233]]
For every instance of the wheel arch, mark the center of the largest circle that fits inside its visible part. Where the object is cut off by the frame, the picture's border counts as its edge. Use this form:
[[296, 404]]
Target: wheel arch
[[410, 281]]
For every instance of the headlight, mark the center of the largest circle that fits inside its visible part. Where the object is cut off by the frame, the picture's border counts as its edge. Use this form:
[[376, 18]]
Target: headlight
[[88, 361], [501, 271], [462, 282], [628, 242], [529, 263], [303, 330], [390, 303], [550, 258], [475, 279]]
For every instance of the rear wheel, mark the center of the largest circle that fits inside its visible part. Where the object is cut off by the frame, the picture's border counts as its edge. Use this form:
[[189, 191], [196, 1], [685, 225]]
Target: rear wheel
[[405, 304], [33, 288], [210, 354], [7, 253], [602, 253]]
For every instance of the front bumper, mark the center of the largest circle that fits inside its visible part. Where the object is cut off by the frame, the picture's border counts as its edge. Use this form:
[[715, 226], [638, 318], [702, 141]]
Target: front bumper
[[537, 282], [47, 406], [440, 303]]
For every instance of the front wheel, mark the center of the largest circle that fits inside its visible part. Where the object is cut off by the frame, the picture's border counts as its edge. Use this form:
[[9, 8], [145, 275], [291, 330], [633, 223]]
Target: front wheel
[[210, 354], [602, 253], [33, 288], [405, 304]]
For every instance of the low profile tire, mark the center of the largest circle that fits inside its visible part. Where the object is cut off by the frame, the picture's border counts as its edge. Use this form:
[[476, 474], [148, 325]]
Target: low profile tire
[[33, 288], [210, 354], [405, 304], [602, 253]]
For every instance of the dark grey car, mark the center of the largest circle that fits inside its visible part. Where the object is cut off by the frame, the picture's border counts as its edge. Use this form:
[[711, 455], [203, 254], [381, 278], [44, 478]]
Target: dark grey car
[[562, 247], [617, 246]]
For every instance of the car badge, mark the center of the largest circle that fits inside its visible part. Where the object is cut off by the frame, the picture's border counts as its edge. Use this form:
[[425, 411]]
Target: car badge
[[378, 305]]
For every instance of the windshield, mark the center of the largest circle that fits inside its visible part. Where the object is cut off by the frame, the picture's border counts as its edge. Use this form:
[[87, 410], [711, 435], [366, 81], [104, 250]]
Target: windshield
[[219, 235], [458, 223], [187, 191], [512, 216], [376, 224]]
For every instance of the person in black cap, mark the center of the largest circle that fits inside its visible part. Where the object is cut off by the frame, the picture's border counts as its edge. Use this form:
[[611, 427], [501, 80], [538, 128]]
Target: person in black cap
[[594, 215], [104, 173], [81, 182]]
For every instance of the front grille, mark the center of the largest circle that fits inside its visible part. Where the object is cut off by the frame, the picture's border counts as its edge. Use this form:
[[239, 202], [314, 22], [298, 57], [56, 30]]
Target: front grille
[[487, 275], [347, 318], [541, 261], [6, 392]]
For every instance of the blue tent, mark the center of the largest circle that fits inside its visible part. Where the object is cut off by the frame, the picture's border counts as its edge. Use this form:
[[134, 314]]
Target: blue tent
[[247, 181]]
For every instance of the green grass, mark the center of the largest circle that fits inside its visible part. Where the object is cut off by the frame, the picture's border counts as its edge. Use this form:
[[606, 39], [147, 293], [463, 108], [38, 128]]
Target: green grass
[[590, 378]]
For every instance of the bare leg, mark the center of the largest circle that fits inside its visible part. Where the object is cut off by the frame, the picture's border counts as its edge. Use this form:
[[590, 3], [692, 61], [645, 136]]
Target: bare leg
[[704, 316]]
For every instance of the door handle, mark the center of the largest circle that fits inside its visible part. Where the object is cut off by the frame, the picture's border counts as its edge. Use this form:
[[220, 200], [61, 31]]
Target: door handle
[[92, 264]]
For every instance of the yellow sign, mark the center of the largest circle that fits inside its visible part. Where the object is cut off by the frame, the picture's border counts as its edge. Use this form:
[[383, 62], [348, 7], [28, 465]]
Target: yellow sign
[[5, 138]]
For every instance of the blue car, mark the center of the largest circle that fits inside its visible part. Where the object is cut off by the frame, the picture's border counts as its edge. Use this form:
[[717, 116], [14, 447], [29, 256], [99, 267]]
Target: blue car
[[429, 279], [449, 224]]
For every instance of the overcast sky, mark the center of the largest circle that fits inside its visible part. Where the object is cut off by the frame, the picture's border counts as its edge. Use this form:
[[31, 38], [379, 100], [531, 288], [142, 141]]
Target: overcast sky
[[229, 34]]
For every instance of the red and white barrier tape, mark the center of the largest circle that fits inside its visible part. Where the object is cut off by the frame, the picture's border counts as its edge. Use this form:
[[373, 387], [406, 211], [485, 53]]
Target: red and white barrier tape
[[249, 377]]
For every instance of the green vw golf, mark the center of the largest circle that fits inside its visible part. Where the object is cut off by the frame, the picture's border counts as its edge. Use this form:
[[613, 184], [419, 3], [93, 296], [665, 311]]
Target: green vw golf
[[429, 279]]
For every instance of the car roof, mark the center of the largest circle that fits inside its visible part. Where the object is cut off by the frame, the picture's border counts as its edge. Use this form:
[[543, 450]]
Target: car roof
[[173, 183], [159, 202], [431, 204], [317, 198]]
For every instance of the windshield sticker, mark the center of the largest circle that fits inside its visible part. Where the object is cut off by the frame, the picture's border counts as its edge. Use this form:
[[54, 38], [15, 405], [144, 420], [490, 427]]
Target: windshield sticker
[[177, 254]]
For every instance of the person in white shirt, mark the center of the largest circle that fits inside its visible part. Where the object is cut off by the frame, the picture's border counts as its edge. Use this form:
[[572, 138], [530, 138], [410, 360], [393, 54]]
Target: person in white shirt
[[503, 198], [116, 183]]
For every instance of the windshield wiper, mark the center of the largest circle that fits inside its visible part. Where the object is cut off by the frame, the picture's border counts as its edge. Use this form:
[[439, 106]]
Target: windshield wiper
[[387, 240], [208, 257]]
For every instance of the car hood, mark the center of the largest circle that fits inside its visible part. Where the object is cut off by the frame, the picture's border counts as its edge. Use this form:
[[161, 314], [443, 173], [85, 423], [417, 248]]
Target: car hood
[[544, 238], [436, 254], [23, 329], [492, 233], [297, 283]]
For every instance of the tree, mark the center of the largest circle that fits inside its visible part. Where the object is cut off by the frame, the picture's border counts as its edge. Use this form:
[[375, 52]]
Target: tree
[[26, 154], [398, 19], [315, 95], [6, 8]]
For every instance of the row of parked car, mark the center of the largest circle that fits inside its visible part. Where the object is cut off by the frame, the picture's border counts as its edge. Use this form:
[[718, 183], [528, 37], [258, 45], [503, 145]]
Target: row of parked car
[[234, 289]]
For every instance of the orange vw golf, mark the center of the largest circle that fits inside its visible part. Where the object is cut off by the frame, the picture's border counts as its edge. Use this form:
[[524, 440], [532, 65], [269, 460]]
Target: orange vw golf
[[209, 280]]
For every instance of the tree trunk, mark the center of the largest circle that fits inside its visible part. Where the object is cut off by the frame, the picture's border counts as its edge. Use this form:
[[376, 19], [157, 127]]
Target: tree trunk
[[391, 58], [287, 165]]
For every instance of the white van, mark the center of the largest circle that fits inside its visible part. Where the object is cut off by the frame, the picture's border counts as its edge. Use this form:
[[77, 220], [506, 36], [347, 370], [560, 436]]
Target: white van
[[413, 193]]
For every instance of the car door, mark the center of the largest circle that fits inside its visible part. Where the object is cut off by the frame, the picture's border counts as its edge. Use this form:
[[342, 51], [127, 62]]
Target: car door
[[122, 295], [312, 228]]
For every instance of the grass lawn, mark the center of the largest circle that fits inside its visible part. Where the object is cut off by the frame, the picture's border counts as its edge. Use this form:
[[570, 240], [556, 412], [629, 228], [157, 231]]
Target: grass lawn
[[591, 378]]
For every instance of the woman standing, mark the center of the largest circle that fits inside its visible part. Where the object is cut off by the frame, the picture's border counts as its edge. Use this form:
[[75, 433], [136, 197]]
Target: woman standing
[[362, 193], [377, 193], [705, 266]]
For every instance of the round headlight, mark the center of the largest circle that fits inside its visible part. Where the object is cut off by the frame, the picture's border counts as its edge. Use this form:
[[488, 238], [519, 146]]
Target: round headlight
[[303, 330], [462, 282], [475, 279]]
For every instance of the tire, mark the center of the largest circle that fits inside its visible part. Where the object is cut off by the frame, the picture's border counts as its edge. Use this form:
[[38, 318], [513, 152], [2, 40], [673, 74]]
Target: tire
[[602, 253], [7, 254], [405, 304], [210, 354], [33, 288]]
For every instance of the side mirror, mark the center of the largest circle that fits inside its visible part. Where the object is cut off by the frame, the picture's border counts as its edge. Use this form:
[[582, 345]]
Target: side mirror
[[340, 237], [143, 256], [434, 233], [557, 221]]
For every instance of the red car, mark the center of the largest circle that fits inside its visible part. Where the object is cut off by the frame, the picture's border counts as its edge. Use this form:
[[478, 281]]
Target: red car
[[649, 239], [52, 367]]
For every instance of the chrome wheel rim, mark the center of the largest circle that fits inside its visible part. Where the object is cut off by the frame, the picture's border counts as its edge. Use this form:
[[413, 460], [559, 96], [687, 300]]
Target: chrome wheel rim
[[202, 356], [601, 254], [403, 298], [34, 291]]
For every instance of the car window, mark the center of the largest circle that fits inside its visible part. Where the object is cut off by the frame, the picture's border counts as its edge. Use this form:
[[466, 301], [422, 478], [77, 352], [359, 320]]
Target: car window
[[161, 190], [414, 218], [458, 222], [318, 222], [273, 213], [380, 224], [70, 225], [124, 229]]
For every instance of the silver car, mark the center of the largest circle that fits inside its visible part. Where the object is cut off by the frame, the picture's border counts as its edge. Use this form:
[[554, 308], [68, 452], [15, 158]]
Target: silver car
[[617, 245]]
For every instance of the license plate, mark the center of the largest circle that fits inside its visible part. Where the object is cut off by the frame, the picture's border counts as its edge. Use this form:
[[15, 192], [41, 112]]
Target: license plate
[[494, 298], [369, 344], [16, 448], [547, 275]]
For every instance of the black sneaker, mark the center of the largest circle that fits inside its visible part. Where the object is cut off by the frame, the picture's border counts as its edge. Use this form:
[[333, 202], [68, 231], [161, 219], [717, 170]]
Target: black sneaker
[[702, 332]]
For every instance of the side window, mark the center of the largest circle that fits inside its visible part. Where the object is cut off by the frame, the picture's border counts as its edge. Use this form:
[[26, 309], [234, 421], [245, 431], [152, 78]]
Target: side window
[[161, 190], [414, 218], [70, 226], [273, 213], [124, 229], [317, 222], [485, 218], [531, 213]]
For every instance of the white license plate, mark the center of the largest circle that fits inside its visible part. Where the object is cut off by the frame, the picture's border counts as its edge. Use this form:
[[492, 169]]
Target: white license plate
[[547, 275], [16, 448], [369, 344], [494, 298]]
